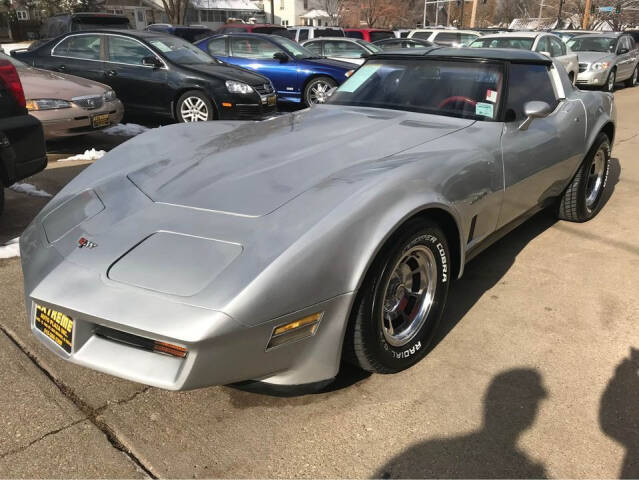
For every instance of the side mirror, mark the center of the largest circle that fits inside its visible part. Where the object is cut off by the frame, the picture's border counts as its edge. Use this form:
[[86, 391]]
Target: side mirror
[[151, 61], [534, 110], [281, 56]]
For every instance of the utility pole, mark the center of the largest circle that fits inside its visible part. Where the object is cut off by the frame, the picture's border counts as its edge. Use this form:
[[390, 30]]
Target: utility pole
[[461, 21], [448, 14], [473, 15], [561, 4], [541, 8], [586, 20], [424, 22], [437, 13], [273, 12]]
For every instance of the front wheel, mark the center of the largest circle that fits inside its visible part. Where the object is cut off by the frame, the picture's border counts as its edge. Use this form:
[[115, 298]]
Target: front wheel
[[632, 81], [194, 106], [583, 198], [610, 82], [401, 300], [317, 89]]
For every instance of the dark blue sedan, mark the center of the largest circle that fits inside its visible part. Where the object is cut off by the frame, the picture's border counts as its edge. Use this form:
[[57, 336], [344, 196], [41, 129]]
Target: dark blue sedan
[[297, 74]]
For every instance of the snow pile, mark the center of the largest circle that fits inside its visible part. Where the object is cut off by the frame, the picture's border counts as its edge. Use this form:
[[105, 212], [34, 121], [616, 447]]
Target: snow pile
[[92, 154], [10, 249], [125, 129], [29, 190]]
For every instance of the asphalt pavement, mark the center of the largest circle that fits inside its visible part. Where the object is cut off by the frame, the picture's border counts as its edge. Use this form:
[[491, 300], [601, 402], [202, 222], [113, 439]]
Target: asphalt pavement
[[532, 375]]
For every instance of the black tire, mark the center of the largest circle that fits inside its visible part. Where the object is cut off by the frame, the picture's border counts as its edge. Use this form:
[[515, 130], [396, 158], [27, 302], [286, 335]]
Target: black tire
[[313, 84], [366, 344], [609, 86], [571, 77], [632, 81], [574, 205], [193, 97]]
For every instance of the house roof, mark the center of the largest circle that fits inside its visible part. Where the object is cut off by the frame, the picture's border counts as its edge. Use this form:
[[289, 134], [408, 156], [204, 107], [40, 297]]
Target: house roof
[[316, 13], [245, 5]]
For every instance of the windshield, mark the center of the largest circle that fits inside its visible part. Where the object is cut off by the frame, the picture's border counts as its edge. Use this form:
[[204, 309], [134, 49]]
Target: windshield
[[592, 44], [295, 49], [181, 51], [441, 87], [368, 46], [504, 42]]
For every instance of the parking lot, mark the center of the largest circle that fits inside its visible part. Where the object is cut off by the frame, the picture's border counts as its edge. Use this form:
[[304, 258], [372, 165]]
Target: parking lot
[[531, 376]]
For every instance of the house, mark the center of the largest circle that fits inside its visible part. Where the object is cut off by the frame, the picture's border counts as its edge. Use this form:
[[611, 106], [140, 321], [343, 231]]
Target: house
[[299, 12], [214, 13], [140, 12]]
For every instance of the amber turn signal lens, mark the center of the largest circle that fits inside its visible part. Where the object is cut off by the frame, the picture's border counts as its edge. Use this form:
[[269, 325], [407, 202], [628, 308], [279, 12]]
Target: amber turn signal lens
[[170, 349], [227, 104], [297, 324]]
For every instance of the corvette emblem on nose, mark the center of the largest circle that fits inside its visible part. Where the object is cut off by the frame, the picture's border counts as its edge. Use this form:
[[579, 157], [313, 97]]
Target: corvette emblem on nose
[[83, 242]]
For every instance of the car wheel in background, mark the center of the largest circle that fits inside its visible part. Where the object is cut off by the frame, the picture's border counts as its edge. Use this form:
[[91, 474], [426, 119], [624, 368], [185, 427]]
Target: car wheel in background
[[316, 90], [194, 106], [401, 300], [632, 81], [611, 81], [584, 196]]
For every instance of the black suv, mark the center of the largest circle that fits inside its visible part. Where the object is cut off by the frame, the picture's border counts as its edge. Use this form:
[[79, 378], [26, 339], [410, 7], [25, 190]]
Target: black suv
[[22, 148]]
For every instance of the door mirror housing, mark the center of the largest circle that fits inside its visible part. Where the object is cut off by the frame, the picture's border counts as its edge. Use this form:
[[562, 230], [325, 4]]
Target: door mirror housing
[[151, 61], [532, 110], [281, 56]]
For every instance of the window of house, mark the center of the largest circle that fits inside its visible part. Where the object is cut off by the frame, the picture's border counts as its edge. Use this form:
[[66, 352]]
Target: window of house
[[22, 15]]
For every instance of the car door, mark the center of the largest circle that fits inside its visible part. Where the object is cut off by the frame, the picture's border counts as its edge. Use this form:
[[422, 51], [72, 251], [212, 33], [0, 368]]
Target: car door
[[625, 62], [79, 54], [256, 53], [540, 160], [140, 87]]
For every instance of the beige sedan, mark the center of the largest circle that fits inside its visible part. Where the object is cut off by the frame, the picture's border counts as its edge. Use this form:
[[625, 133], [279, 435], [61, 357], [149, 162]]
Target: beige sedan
[[67, 105]]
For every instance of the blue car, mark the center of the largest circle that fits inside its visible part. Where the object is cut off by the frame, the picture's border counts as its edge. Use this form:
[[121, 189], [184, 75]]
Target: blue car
[[297, 73]]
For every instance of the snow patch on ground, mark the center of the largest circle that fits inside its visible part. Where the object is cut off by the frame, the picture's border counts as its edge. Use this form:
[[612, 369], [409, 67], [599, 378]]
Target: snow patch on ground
[[125, 129], [29, 190], [10, 249], [92, 154]]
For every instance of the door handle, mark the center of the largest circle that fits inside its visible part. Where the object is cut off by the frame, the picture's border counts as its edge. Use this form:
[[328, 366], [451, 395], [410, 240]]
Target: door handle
[[61, 68], [111, 73]]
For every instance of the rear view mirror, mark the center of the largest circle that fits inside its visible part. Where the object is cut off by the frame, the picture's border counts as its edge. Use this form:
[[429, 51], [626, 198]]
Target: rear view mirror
[[281, 56], [532, 110], [151, 61]]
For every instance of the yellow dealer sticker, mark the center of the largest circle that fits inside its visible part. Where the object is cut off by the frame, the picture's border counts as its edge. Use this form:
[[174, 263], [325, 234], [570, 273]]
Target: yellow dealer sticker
[[55, 325]]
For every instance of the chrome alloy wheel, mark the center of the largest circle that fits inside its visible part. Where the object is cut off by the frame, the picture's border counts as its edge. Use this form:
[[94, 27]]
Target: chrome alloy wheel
[[634, 76], [318, 92], [596, 178], [409, 295], [193, 109]]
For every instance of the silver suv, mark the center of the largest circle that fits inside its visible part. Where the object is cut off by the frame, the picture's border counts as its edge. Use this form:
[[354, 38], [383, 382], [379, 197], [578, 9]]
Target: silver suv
[[605, 59]]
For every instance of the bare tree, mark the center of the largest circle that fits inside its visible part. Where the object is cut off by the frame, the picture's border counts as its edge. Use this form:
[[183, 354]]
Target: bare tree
[[377, 11], [176, 10], [334, 8]]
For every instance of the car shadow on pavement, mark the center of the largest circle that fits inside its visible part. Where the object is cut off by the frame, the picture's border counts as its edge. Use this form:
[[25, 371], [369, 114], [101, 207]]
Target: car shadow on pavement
[[619, 412], [511, 403]]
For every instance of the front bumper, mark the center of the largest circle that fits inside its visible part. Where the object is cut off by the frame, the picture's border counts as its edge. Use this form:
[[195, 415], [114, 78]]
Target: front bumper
[[250, 107], [595, 78], [66, 122]]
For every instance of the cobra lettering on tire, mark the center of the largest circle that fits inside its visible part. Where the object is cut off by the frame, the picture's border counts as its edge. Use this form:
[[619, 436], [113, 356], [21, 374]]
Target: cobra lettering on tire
[[401, 300]]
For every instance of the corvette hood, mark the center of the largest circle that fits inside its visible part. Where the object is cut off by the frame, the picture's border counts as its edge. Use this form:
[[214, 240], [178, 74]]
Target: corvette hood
[[254, 168]]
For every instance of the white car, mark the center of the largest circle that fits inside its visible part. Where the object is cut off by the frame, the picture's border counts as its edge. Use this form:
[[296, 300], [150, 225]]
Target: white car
[[352, 50], [303, 33], [541, 42], [448, 37]]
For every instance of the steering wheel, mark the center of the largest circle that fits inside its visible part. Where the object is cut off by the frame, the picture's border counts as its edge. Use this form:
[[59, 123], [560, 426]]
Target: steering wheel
[[457, 98]]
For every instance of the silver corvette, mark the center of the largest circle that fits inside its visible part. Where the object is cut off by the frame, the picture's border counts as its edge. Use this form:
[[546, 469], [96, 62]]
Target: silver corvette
[[220, 252]]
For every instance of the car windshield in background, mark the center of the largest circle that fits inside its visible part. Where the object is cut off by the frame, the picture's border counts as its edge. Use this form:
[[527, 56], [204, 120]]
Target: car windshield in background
[[181, 51], [504, 42], [592, 44], [271, 31], [295, 49], [440, 87]]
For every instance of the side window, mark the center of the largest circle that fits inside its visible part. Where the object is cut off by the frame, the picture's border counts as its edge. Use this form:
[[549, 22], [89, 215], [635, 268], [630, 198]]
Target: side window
[[422, 35], [542, 45], [217, 47], [127, 50], [632, 43], [527, 83], [447, 38], [359, 35], [343, 49], [315, 47], [303, 35], [85, 47], [467, 38], [626, 43], [555, 47], [248, 47]]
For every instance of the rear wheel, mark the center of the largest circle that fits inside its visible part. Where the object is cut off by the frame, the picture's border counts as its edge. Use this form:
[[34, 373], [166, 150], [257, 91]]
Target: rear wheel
[[611, 81], [583, 198], [194, 106], [401, 300], [316, 91], [632, 81]]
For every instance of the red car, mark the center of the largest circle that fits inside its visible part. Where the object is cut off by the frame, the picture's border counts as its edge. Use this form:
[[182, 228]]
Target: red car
[[253, 28], [369, 34]]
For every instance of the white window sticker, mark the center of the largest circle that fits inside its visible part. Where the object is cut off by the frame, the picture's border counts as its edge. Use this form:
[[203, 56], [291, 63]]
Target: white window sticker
[[484, 109], [161, 46], [491, 95], [356, 80]]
